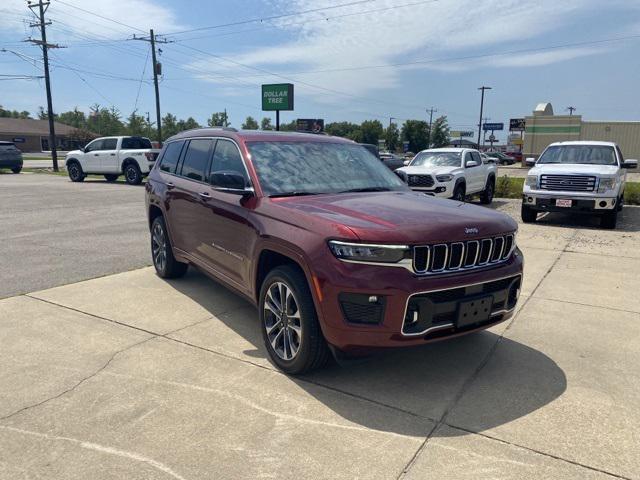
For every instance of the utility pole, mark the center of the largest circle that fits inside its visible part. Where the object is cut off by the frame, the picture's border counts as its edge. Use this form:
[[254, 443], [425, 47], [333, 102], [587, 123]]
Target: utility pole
[[483, 88], [45, 57], [571, 110], [157, 69], [430, 110]]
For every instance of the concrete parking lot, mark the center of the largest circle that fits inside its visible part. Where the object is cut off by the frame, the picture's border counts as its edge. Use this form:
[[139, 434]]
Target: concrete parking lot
[[130, 376]]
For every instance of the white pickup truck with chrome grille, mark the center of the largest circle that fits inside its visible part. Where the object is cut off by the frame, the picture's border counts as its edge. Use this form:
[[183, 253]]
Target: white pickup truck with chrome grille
[[577, 177]]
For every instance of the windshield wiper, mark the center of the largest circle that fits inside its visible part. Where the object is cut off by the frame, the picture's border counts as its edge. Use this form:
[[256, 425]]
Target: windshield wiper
[[367, 189], [292, 194]]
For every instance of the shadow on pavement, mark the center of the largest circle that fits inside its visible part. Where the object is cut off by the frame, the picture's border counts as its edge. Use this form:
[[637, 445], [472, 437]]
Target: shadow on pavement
[[422, 380]]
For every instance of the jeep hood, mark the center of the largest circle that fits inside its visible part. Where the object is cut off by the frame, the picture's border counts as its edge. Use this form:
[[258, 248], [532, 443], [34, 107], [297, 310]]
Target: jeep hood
[[406, 217]]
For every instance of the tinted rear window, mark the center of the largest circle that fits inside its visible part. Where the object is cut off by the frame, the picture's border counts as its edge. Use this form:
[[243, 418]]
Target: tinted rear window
[[196, 159], [170, 157], [7, 147], [133, 143]]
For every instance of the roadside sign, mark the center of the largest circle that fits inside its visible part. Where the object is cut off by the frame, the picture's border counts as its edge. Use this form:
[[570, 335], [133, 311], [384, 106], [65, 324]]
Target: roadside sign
[[492, 126], [381, 143], [277, 96], [312, 125], [492, 138], [405, 146], [460, 133], [517, 141], [516, 124], [19, 139]]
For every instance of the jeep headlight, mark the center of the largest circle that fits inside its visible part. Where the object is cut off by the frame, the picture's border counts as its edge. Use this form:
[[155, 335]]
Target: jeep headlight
[[531, 181], [444, 178], [361, 252], [606, 184]]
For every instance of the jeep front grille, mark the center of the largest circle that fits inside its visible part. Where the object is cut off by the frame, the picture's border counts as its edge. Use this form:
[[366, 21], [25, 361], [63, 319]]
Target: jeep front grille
[[420, 181], [568, 183], [455, 256]]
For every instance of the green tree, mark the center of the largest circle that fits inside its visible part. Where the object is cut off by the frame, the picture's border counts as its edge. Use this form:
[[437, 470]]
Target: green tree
[[250, 124], [372, 130], [416, 133], [440, 132], [265, 124], [169, 126], [218, 119], [289, 127], [43, 115], [74, 118], [188, 124], [105, 121], [137, 125], [392, 137], [343, 129]]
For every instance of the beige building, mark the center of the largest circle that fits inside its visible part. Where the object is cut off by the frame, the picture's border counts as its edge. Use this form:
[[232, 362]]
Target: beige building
[[33, 135], [543, 128]]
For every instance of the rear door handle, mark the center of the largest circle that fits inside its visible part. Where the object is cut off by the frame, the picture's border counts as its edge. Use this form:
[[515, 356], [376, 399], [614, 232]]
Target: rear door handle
[[170, 185], [112, 154], [205, 195], [96, 154]]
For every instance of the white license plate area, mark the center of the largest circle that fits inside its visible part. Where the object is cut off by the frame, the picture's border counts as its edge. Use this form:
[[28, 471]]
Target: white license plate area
[[563, 202]]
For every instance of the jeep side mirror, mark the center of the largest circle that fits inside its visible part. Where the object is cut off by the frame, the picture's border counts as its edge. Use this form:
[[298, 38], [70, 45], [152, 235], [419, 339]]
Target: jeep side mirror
[[530, 162], [471, 163], [406, 163], [630, 164], [231, 182]]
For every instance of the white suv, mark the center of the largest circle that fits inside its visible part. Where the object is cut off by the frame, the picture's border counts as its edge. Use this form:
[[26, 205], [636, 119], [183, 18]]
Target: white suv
[[577, 177]]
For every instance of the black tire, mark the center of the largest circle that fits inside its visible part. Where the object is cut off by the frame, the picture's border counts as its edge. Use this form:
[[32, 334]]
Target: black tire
[[132, 174], [609, 220], [17, 169], [486, 197], [459, 193], [528, 214], [74, 170], [111, 177], [164, 262], [299, 325], [620, 203]]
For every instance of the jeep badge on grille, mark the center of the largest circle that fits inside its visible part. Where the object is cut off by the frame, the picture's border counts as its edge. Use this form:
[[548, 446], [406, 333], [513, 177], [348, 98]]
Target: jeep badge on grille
[[471, 230]]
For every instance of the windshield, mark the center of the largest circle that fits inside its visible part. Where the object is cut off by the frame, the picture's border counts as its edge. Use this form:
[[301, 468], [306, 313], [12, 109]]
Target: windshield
[[437, 159], [319, 167], [581, 154]]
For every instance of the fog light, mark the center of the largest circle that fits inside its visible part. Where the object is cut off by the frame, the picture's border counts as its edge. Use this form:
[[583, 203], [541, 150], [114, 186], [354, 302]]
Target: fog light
[[373, 299], [603, 204], [530, 199]]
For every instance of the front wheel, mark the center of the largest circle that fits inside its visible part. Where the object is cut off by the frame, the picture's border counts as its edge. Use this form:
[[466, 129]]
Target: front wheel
[[74, 170], [486, 197], [132, 174], [16, 169], [459, 193], [528, 214], [290, 327], [163, 260]]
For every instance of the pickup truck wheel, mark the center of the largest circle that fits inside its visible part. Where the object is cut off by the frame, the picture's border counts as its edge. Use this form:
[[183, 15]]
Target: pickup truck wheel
[[132, 174], [290, 327], [74, 170], [620, 203], [163, 260], [16, 170], [459, 193], [609, 220], [486, 197], [528, 214], [111, 177]]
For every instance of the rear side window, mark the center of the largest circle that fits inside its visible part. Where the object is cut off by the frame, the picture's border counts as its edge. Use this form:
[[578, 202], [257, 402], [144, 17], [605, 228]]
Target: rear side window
[[135, 143], [196, 159], [227, 158], [7, 147], [171, 156], [109, 144]]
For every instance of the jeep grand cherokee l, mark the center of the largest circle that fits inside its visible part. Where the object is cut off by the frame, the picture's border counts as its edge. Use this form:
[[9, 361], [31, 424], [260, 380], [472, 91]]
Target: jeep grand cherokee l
[[335, 250]]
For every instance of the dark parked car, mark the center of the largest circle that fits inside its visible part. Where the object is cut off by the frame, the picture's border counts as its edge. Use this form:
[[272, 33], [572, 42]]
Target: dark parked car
[[342, 263], [10, 157], [502, 158], [391, 160], [372, 148]]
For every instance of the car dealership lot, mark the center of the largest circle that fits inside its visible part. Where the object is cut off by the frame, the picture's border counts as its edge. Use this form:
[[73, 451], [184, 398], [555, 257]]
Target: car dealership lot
[[130, 376]]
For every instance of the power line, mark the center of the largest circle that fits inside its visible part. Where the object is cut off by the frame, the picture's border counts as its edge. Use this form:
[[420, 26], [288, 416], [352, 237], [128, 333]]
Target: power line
[[100, 16], [272, 17], [144, 69]]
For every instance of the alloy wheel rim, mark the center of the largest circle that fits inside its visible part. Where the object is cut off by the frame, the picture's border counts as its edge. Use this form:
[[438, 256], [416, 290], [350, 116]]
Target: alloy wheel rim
[[282, 322], [74, 171], [159, 247], [131, 174]]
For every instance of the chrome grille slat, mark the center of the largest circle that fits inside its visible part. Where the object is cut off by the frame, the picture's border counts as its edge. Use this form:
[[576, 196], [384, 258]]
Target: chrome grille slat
[[420, 181], [459, 256], [571, 183]]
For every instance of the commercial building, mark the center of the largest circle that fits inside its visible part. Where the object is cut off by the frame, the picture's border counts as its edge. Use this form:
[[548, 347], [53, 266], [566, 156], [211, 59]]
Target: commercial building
[[543, 128], [33, 135]]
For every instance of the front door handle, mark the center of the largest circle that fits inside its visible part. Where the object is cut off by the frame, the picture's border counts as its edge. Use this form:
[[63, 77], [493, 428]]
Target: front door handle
[[205, 195], [113, 154], [96, 154], [170, 186]]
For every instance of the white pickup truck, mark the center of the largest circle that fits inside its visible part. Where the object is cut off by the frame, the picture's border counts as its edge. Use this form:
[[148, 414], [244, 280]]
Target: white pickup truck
[[132, 157], [577, 177], [451, 173]]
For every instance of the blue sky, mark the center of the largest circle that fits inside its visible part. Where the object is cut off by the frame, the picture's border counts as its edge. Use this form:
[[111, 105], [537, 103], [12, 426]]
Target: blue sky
[[349, 60]]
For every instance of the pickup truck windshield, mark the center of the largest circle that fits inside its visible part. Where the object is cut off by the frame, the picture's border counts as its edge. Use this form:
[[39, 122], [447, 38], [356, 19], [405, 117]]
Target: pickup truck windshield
[[440, 159], [579, 154], [319, 167]]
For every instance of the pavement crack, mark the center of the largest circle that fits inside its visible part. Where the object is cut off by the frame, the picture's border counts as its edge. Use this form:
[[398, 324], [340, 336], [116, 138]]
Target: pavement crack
[[77, 384]]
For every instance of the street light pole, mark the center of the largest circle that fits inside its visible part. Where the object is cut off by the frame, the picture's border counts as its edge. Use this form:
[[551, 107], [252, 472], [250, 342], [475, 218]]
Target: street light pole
[[483, 88]]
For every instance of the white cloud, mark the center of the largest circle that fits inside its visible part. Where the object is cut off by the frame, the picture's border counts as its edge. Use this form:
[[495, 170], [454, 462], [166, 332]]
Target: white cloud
[[439, 29], [142, 14]]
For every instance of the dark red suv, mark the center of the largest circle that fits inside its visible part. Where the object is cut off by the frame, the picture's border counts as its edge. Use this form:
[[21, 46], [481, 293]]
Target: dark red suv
[[336, 252]]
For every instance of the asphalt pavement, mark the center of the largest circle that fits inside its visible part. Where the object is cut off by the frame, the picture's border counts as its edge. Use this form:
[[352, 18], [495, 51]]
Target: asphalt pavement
[[55, 232]]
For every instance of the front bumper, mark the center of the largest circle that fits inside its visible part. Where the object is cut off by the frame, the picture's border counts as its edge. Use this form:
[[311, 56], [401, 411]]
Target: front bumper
[[443, 190], [547, 202], [438, 301]]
